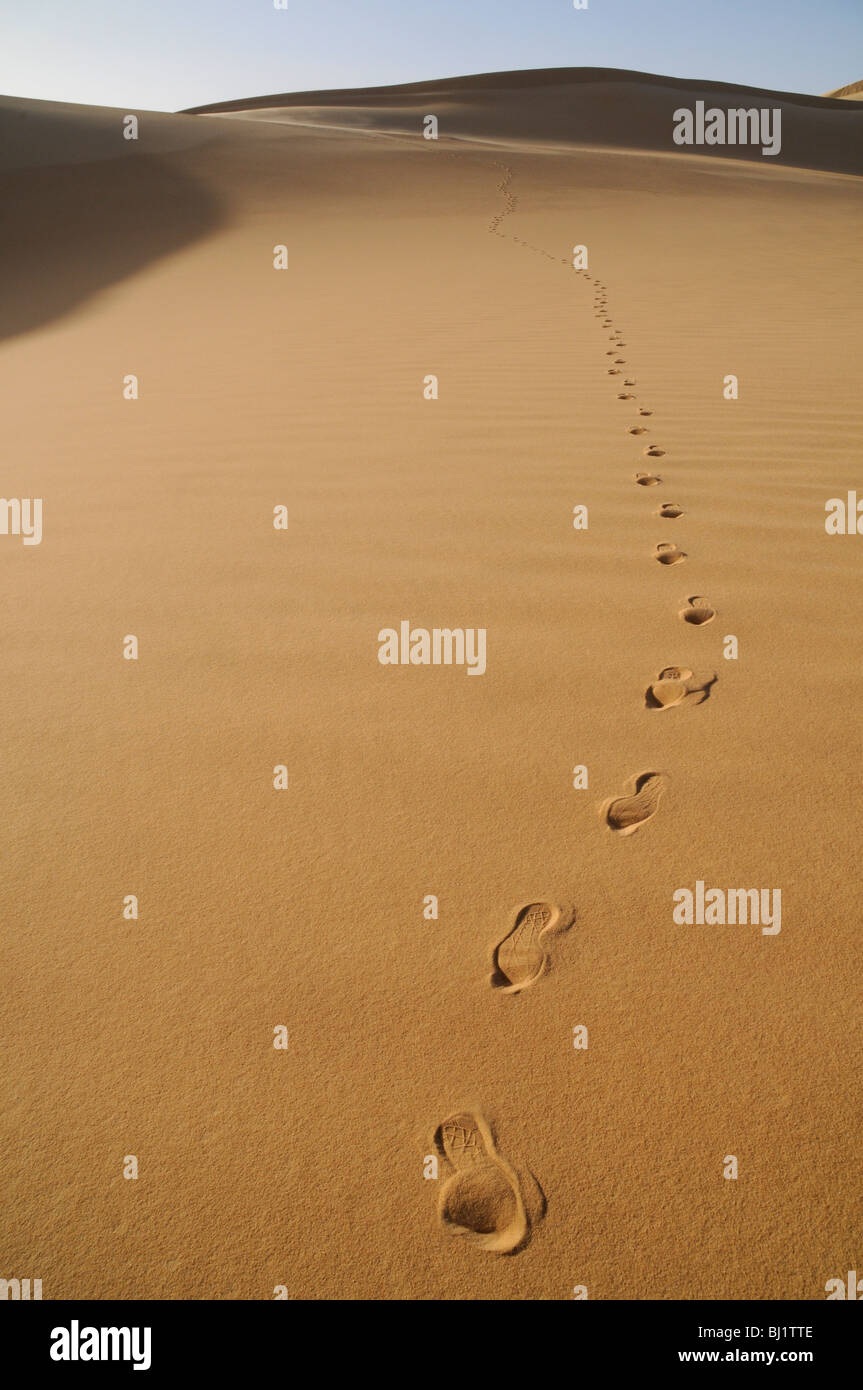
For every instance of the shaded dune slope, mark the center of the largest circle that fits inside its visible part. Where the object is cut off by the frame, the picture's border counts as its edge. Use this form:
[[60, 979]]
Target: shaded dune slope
[[578, 106], [88, 208]]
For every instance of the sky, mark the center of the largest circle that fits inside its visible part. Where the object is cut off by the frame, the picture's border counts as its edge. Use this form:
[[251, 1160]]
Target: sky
[[164, 55]]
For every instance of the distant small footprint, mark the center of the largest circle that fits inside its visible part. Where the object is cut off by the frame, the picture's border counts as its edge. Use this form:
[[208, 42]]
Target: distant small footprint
[[647, 479], [522, 956], [625, 814], [625, 396], [671, 510], [667, 553], [630, 381], [636, 429], [653, 451], [642, 411], [483, 1198], [698, 612]]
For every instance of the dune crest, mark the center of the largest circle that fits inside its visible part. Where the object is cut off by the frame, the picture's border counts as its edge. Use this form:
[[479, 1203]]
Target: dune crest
[[594, 107]]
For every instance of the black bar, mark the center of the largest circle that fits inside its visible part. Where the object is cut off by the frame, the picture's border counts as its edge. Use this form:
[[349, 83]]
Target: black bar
[[218, 1339]]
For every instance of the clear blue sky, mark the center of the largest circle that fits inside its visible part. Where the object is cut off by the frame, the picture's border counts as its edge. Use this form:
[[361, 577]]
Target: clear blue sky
[[167, 54]]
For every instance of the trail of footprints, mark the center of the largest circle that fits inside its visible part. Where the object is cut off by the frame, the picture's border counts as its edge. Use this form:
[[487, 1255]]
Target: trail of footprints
[[482, 1197], [674, 685]]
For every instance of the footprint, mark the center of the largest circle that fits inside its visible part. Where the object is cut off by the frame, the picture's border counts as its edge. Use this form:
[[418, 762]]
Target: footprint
[[621, 361], [614, 371], [667, 553], [626, 396], [630, 382], [647, 479], [483, 1198], [642, 411], [653, 451], [675, 685], [698, 613], [624, 814], [521, 957], [637, 429], [670, 509], [665, 694]]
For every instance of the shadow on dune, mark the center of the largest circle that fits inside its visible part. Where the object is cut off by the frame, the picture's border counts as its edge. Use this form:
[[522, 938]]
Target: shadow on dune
[[599, 107], [72, 231]]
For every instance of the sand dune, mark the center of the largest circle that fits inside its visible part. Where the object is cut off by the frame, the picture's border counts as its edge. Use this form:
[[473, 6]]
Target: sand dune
[[853, 92], [574, 106], [435, 1128]]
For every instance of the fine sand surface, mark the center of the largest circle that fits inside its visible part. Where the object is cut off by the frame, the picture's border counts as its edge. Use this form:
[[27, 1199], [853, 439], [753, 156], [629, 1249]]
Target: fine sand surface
[[414, 1039]]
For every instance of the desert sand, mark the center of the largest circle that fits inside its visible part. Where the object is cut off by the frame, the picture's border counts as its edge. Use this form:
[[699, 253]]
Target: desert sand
[[853, 92], [418, 1044]]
